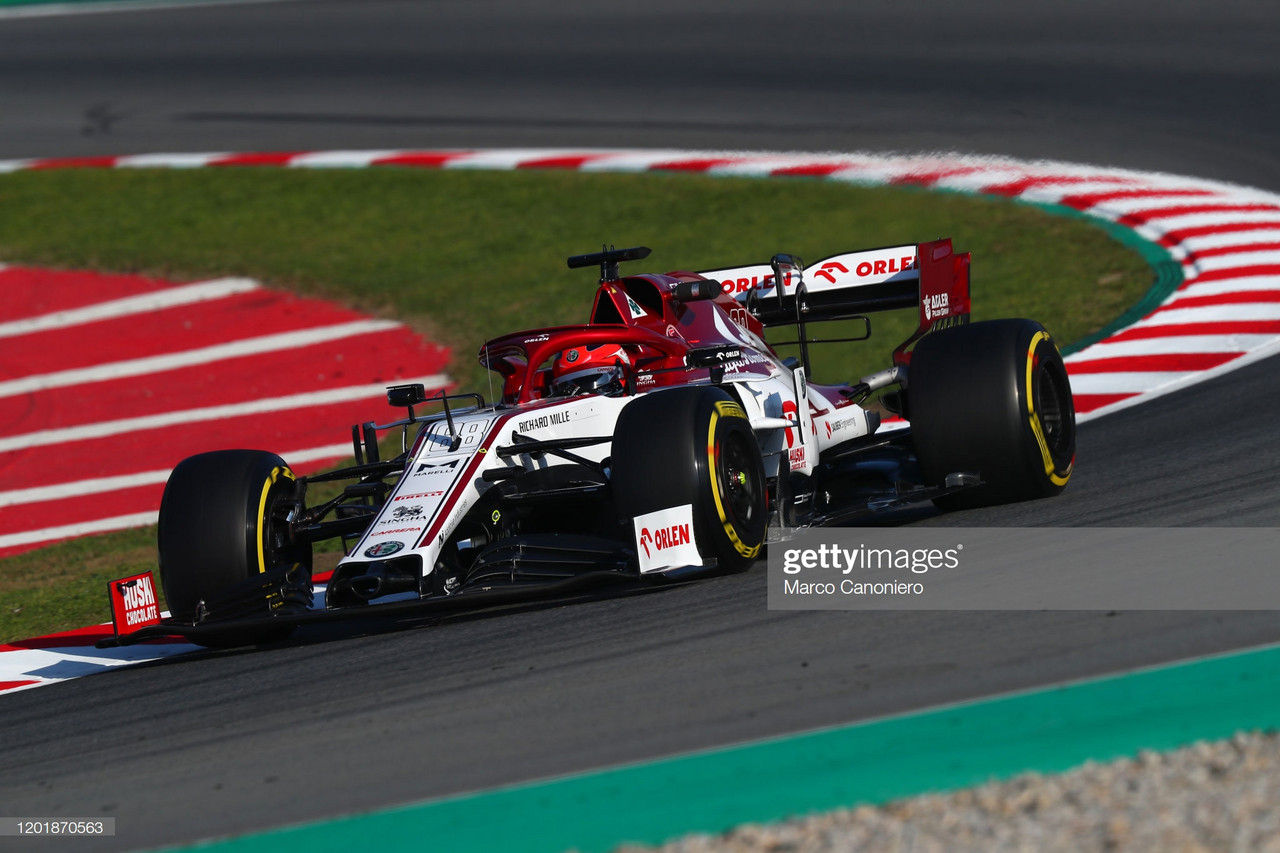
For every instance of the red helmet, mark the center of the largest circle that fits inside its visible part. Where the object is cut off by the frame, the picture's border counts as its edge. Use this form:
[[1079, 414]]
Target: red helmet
[[598, 368]]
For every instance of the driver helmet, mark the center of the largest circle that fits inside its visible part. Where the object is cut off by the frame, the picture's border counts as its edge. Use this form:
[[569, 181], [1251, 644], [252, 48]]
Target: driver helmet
[[597, 368]]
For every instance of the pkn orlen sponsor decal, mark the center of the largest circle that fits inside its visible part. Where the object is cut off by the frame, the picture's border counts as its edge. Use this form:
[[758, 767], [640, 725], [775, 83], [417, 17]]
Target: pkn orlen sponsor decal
[[665, 539], [860, 269], [738, 281], [852, 269]]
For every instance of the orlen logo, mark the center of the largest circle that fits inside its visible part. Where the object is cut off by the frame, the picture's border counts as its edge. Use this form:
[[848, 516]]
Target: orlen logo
[[936, 305], [664, 537], [742, 285], [893, 265], [829, 269]]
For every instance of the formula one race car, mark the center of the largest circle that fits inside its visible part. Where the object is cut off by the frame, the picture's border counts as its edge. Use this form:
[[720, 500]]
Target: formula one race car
[[662, 435]]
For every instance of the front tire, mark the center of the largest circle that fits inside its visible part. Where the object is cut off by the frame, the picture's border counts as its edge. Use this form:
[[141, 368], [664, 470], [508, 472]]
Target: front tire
[[694, 446], [222, 524], [992, 398]]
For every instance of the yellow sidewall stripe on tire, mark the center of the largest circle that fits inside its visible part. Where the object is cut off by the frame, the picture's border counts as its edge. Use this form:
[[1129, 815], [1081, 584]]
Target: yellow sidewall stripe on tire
[[276, 474], [732, 410], [1034, 418]]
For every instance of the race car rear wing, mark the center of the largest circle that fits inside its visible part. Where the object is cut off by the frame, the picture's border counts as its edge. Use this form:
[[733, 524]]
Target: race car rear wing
[[929, 275]]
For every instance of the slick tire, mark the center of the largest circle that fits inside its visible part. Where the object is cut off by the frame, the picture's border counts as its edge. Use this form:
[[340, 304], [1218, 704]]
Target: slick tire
[[221, 524], [992, 398], [694, 446]]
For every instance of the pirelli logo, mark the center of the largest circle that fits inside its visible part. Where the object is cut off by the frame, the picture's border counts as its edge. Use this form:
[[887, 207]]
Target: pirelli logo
[[728, 409]]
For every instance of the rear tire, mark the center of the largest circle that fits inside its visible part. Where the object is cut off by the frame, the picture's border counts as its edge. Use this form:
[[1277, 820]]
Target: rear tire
[[992, 398], [694, 446], [222, 522]]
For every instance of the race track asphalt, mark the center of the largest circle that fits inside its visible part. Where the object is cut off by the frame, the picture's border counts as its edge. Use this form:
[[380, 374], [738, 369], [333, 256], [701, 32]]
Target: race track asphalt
[[361, 716]]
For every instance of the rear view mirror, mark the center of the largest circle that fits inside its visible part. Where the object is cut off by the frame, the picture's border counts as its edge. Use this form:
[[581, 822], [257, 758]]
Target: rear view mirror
[[406, 395]]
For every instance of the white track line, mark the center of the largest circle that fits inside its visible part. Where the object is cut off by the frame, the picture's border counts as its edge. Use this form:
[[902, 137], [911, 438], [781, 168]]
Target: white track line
[[80, 528], [189, 358], [212, 413], [1212, 314], [1172, 345], [169, 161], [99, 485], [109, 484], [158, 300], [52, 10]]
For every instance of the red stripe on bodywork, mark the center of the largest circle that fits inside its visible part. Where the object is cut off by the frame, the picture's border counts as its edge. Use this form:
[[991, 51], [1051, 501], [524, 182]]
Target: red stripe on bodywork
[[468, 473]]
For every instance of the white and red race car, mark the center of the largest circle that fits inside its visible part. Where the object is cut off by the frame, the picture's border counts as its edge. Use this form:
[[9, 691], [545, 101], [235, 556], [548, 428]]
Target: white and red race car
[[664, 434]]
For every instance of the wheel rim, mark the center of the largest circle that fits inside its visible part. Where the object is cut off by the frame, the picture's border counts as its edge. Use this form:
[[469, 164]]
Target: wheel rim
[[737, 480], [278, 548], [1056, 411]]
